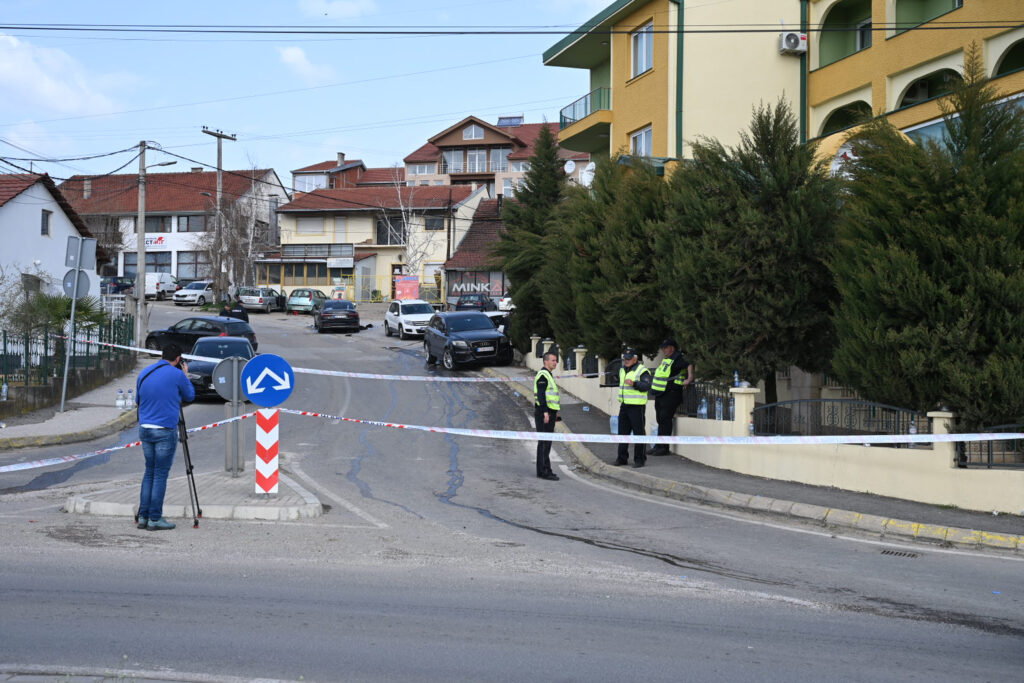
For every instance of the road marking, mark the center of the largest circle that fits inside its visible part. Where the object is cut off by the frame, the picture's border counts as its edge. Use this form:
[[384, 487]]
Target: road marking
[[294, 467]]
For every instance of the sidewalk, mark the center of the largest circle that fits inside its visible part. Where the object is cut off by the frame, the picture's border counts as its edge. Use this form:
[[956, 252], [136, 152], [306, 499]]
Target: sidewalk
[[93, 415]]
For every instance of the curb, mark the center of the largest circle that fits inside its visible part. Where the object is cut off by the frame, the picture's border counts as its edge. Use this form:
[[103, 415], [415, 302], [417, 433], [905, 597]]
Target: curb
[[829, 518], [121, 422]]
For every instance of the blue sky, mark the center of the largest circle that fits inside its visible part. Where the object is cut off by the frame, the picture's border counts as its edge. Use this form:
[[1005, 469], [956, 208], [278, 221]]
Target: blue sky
[[292, 100]]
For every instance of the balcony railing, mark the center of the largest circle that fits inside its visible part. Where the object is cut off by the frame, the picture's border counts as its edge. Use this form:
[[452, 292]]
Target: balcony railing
[[595, 100]]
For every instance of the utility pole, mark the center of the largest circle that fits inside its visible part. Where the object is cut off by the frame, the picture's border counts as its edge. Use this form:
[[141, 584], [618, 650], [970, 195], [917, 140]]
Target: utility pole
[[140, 252], [219, 246]]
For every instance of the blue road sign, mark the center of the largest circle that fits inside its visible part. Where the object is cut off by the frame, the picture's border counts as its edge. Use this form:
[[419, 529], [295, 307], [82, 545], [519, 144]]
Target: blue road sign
[[268, 380]]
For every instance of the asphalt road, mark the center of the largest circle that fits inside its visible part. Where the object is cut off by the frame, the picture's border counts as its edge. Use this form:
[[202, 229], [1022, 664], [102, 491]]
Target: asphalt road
[[444, 558]]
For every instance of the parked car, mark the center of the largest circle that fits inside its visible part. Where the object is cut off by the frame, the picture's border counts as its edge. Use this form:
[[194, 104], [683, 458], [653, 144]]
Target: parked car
[[407, 317], [304, 299], [159, 286], [185, 333], [505, 303], [116, 284], [465, 337], [200, 372], [475, 302], [196, 294], [264, 299], [336, 314]]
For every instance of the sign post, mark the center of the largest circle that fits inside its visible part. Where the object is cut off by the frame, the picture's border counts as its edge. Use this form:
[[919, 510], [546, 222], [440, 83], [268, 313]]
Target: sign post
[[268, 381]]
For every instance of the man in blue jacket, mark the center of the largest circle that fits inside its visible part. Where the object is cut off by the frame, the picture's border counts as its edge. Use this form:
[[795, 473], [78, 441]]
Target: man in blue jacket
[[160, 390]]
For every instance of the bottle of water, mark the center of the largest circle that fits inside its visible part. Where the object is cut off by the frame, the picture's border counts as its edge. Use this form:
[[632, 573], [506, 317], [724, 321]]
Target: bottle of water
[[702, 409], [751, 427], [718, 408], [732, 408], [120, 399], [913, 427], [3, 391], [129, 402], [735, 378]]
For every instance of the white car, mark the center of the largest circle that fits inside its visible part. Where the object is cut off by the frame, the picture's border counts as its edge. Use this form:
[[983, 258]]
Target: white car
[[196, 294], [407, 318], [505, 303]]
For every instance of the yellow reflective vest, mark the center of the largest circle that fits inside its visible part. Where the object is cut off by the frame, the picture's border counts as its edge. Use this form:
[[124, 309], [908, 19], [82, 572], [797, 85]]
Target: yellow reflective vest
[[627, 394], [660, 382], [550, 395]]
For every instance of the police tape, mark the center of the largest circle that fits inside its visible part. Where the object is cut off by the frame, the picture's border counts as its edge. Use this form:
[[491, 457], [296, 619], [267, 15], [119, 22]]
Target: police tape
[[342, 373], [680, 440], [16, 467]]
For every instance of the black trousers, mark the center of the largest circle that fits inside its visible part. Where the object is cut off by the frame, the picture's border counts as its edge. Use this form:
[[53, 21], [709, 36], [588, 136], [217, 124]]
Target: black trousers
[[665, 406], [544, 447], [631, 421]]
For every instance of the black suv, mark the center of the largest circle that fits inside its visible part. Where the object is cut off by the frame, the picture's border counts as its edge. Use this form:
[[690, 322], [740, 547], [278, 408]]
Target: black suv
[[475, 302], [185, 332], [465, 337]]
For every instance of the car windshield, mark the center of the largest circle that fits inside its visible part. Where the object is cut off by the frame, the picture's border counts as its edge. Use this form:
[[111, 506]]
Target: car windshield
[[299, 295], [339, 304], [248, 291], [466, 323], [214, 348], [197, 285], [416, 309]]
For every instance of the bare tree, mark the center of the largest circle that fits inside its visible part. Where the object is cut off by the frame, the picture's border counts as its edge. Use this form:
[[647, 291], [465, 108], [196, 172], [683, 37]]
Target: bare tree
[[420, 230]]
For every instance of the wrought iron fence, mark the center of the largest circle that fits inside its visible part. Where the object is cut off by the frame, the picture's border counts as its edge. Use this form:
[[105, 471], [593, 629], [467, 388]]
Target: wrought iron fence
[[992, 454], [711, 391], [590, 365], [837, 416]]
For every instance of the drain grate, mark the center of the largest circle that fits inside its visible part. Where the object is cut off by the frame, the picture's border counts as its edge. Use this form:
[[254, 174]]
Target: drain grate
[[899, 553]]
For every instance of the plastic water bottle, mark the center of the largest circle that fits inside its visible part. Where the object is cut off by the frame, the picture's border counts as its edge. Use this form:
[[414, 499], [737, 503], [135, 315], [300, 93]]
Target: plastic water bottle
[[732, 408], [3, 391], [913, 427], [129, 402], [613, 424], [735, 378], [751, 427], [120, 399], [702, 408], [718, 408]]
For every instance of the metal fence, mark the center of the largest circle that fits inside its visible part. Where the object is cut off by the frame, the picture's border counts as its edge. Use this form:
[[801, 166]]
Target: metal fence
[[992, 454], [836, 416], [712, 392]]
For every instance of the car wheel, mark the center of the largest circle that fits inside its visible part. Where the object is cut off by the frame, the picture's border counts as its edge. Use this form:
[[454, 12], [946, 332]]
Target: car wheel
[[152, 345], [387, 329], [159, 296], [401, 332], [201, 301], [431, 359], [448, 360]]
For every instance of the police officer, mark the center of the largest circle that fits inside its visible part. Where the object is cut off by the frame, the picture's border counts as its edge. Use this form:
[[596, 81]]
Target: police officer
[[545, 412], [634, 383], [667, 387], [238, 310]]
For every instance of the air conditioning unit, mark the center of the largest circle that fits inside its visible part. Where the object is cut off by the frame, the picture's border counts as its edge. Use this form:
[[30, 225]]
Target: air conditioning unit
[[792, 43]]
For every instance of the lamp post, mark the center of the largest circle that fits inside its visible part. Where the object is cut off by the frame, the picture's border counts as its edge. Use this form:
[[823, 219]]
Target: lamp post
[[140, 235]]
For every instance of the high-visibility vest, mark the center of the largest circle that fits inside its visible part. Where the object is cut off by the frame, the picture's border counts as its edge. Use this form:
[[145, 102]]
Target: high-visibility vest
[[627, 394], [551, 395], [661, 375]]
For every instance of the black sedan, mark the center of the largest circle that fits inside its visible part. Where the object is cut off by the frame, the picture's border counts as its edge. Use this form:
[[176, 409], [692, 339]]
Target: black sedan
[[185, 333], [200, 372], [336, 314], [465, 337], [475, 302]]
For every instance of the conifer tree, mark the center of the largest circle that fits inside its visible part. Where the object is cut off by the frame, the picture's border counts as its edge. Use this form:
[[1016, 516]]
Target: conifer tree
[[520, 251], [929, 269], [742, 253]]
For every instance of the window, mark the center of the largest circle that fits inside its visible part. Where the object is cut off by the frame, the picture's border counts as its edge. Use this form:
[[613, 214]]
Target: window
[[452, 161], [433, 222], [643, 49], [508, 187], [473, 132], [193, 265], [422, 169], [308, 183], [159, 223], [864, 35], [640, 143], [476, 160], [519, 166], [390, 230], [499, 158], [309, 225], [44, 228], [156, 262], [191, 223]]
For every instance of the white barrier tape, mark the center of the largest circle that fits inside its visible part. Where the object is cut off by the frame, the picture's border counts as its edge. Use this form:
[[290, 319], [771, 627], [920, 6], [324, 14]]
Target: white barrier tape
[[341, 373], [16, 467], [684, 440]]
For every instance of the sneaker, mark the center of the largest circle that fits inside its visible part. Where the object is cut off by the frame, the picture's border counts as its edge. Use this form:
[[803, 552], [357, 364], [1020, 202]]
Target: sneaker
[[142, 523], [159, 524]]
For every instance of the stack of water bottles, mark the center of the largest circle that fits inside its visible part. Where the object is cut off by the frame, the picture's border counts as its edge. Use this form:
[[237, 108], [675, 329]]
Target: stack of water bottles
[[125, 401]]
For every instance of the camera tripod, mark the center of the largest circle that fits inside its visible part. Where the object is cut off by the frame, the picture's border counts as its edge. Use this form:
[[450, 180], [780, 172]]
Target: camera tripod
[[193, 495]]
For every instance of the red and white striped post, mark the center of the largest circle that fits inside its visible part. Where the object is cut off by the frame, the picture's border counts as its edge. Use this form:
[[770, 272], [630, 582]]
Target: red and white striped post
[[267, 420]]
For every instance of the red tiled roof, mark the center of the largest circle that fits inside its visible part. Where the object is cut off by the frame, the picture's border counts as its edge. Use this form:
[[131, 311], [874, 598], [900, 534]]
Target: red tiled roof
[[375, 197], [328, 165], [424, 155], [13, 185], [382, 176], [165, 192], [474, 252], [525, 134]]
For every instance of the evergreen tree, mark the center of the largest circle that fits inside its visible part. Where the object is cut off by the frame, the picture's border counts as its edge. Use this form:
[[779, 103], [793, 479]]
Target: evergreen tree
[[520, 252], [742, 253], [929, 269], [559, 248]]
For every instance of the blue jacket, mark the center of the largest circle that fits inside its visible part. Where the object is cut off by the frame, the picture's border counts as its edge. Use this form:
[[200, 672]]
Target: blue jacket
[[159, 392]]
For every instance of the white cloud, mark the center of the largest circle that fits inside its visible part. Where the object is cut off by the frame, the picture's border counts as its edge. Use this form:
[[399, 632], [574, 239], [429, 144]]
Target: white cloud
[[338, 9], [310, 74], [48, 79]]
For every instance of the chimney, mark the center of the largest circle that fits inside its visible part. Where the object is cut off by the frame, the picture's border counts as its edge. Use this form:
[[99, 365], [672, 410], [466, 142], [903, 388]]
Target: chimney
[[87, 188], [341, 158], [197, 169]]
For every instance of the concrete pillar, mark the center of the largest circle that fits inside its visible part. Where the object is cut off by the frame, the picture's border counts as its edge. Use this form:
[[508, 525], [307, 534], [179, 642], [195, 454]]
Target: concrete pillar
[[534, 338], [581, 353], [744, 397], [941, 421]]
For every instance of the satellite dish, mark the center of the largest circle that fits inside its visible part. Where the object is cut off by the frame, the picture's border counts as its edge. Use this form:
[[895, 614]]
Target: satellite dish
[[590, 168], [569, 167], [587, 174]]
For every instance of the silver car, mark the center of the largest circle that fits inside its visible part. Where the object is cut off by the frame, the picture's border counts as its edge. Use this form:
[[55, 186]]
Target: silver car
[[407, 318], [264, 299]]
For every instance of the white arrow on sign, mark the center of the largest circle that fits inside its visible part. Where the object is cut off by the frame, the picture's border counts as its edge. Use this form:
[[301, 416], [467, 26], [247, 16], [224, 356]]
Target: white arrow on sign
[[253, 386]]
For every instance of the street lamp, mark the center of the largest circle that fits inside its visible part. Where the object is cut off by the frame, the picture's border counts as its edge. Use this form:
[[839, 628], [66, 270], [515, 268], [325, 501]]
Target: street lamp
[[140, 233]]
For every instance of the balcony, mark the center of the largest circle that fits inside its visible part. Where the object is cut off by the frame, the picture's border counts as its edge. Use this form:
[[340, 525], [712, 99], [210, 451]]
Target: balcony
[[585, 124], [596, 100]]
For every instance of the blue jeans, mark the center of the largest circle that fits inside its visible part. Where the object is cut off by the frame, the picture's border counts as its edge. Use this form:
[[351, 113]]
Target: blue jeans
[[159, 446]]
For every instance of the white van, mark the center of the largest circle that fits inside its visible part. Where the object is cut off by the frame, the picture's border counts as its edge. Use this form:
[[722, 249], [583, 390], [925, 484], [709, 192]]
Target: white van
[[160, 286]]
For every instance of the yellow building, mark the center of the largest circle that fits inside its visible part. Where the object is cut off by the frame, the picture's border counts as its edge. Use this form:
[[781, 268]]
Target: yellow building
[[663, 72], [898, 58]]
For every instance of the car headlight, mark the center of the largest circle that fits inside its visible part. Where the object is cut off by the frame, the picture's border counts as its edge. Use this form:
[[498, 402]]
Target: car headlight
[[195, 377], [460, 344]]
